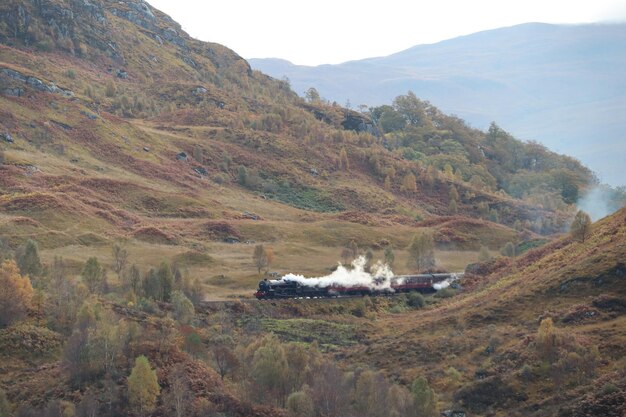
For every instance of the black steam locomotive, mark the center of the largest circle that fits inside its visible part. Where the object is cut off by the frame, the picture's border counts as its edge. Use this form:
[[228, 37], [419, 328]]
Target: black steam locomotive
[[287, 288]]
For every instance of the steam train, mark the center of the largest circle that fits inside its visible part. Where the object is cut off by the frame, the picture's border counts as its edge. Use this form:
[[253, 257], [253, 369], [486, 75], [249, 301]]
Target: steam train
[[286, 288]]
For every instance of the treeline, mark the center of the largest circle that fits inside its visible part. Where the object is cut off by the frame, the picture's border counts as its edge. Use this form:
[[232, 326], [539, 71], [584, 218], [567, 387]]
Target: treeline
[[494, 160], [56, 295]]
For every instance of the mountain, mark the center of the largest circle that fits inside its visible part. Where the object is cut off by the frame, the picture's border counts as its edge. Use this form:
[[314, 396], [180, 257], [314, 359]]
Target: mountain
[[560, 85]]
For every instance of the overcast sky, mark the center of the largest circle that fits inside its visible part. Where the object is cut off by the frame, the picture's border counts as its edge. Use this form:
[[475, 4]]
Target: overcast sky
[[334, 31]]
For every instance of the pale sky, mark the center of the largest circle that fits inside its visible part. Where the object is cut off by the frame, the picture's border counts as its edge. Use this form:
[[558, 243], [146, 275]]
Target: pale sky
[[335, 31]]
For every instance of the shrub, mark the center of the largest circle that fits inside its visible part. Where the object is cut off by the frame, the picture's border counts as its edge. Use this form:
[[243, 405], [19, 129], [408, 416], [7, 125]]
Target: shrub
[[415, 300], [445, 293]]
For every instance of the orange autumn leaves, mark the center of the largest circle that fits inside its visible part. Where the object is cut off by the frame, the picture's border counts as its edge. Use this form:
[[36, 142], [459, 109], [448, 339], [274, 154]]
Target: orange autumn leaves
[[16, 293]]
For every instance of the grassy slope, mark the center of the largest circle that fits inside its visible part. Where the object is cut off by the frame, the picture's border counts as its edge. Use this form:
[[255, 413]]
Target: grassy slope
[[557, 281]]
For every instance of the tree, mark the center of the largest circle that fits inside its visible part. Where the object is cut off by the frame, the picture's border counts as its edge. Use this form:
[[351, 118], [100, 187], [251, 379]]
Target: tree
[[120, 259], [134, 279], [387, 183], [369, 255], [453, 194], [389, 256], [508, 250], [242, 175], [400, 401], [269, 370], [110, 89], [16, 293], [370, 394], [422, 252], [166, 281], [183, 307], [222, 348], [312, 95], [548, 341], [260, 258], [346, 255], [452, 207], [300, 403], [344, 162], [424, 398], [581, 226], [93, 275], [143, 387], [5, 250], [409, 183], [179, 390], [354, 249], [484, 255], [28, 259]]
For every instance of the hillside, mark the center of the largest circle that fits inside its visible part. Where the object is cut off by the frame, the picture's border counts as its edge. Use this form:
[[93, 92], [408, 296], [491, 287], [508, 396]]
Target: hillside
[[115, 117], [519, 76], [491, 337], [141, 169]]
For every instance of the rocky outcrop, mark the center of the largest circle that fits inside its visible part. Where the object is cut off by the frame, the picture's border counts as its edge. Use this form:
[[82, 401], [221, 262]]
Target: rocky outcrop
[[16, 77]]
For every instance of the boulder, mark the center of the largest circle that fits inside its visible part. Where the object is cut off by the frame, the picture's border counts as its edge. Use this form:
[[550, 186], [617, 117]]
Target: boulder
[[6, 137], [201, 171]]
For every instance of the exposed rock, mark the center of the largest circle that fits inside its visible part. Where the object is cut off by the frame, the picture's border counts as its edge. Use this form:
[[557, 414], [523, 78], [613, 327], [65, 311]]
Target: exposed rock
[[14, 92], [121, 74], [199, 90], [32, 82], [357, 122], [201, 171], [182, 156], [187, 60], [6, 137], [146, 149], [90, 116], [143, 8]]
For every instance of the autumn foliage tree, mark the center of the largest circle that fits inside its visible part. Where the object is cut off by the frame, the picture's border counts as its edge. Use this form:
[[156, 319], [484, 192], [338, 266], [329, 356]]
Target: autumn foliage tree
[[16, 293], [422, 252], [581, 226], [143, 387]]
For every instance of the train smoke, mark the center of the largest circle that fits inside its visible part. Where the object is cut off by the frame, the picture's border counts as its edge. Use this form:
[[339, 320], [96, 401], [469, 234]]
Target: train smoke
[[378, 279]]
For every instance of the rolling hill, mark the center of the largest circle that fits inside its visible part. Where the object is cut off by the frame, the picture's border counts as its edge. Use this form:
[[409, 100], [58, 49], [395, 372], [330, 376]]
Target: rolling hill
[[560, 85]]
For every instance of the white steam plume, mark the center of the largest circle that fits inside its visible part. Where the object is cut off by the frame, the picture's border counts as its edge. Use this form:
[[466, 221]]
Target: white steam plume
[[379, 278], [600, 201]]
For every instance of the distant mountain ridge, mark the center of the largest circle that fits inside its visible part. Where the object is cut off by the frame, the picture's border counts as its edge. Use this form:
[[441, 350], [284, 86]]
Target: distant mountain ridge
[[562, 85]]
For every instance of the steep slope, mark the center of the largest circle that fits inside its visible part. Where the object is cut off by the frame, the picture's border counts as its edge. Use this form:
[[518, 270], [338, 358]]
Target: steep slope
[[519, 76], [491, 338]]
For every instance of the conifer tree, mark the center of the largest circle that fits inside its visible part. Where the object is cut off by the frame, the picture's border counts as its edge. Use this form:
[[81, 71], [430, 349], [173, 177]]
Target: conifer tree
[[28, 260]]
